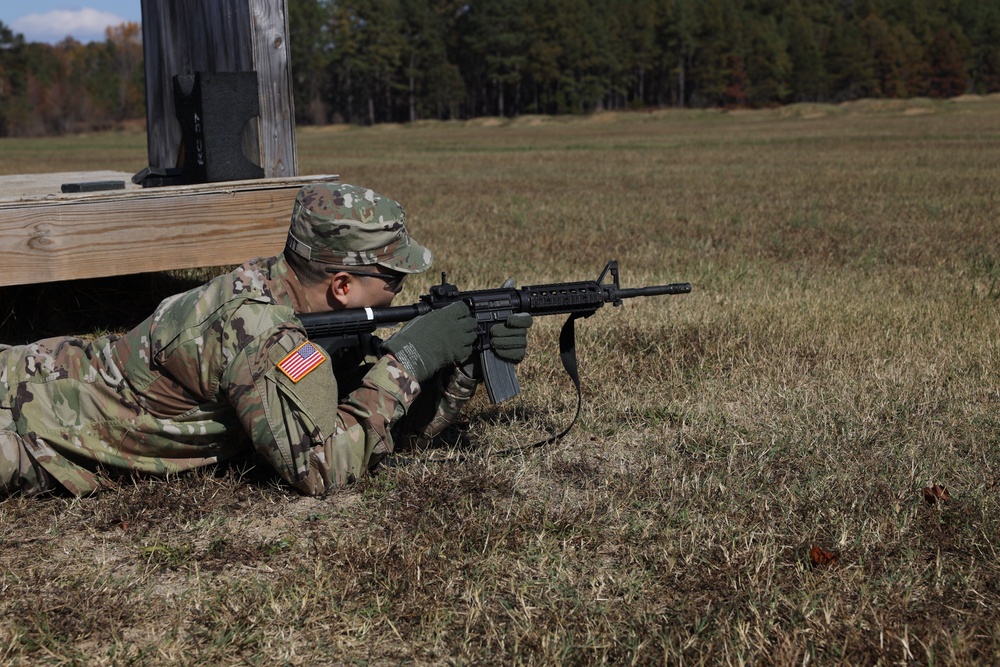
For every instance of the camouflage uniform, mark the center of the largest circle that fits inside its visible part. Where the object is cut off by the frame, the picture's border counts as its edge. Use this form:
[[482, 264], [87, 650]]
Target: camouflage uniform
[[199, 380]]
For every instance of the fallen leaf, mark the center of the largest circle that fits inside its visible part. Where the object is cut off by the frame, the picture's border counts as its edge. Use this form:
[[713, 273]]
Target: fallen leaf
[[819, 556], [932, 494]]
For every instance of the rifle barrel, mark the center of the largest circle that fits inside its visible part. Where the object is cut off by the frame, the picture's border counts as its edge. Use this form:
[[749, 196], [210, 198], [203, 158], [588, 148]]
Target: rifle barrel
[[655, 290], [355, 320]]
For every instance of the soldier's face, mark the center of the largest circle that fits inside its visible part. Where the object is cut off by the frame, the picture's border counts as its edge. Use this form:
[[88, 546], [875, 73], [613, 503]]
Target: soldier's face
[[368, 292]]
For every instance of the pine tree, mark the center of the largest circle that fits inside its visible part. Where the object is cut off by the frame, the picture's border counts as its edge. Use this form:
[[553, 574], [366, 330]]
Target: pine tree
[[807, 79]]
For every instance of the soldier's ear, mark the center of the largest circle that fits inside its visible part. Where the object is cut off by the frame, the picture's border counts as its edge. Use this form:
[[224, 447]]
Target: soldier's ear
[[338, 286]]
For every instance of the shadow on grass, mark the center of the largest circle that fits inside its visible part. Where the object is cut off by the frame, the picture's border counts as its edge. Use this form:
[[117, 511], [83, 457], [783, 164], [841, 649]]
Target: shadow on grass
[[84, 307]]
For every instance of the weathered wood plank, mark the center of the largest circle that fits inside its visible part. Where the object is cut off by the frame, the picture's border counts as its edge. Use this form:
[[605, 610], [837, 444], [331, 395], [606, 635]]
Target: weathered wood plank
[[72, 236], [269, 20], [187, 36], [21, 186]]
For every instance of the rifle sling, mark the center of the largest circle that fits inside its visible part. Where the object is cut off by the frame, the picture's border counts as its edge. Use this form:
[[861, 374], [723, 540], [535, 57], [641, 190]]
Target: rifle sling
[[567, 352]]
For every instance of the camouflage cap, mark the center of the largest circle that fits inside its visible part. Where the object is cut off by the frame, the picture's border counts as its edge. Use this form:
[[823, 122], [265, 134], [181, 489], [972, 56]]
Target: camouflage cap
[[352, 226]]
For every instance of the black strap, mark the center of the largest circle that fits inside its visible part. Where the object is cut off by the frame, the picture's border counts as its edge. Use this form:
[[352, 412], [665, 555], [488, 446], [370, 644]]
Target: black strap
[[567, 352]]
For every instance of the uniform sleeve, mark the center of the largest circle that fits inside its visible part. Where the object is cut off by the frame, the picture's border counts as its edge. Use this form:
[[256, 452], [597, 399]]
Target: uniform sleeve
[[437, 407], [441, 399], [314, 442]]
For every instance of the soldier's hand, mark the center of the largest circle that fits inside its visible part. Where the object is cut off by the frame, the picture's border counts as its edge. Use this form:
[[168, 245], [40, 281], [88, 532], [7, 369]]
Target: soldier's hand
[[510, 339], [435, 340]]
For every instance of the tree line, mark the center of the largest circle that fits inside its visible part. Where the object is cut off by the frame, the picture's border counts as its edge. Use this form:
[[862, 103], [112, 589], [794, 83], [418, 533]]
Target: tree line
[[371, 61], [396, 60], [69, 87]]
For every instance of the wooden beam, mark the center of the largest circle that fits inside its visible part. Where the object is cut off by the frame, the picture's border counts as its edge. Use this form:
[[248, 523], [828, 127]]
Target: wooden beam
[[188, 36], [51, 237]]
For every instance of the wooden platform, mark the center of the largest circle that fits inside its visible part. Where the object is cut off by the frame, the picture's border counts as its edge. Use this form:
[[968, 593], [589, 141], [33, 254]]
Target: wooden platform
[[46, 235]]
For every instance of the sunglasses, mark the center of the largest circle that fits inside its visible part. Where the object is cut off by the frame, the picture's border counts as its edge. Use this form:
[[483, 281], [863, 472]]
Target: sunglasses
[[393, 281]]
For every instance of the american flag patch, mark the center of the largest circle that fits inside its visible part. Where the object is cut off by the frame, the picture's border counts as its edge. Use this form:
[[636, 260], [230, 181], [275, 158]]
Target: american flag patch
[[300, 361]]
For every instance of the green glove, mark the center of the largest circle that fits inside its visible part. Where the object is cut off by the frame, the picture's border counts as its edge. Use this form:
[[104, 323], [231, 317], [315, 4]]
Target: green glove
[[510, 339], [435, 340]]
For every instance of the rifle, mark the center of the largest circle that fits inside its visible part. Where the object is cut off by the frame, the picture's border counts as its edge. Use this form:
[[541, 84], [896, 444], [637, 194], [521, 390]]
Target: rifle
[[341, 329]]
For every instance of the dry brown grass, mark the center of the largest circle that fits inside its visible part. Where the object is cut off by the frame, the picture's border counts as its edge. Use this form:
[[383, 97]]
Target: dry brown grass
[[839, 353]]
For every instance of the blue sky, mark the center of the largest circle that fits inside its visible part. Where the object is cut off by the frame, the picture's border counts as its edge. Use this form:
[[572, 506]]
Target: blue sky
[[52, 20]]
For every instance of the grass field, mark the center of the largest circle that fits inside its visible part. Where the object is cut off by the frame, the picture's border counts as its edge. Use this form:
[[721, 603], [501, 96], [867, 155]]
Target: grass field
[[839, 353]]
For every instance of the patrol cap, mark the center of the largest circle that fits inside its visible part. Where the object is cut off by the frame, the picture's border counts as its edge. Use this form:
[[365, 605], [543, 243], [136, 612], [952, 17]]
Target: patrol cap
[[347, 225]]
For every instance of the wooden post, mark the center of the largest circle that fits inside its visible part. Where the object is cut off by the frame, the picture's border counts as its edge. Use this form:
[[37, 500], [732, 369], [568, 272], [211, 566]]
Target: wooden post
[[187, 36], [48, 235]]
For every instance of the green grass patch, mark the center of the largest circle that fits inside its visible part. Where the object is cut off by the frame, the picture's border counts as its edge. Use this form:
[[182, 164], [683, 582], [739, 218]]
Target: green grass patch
[[839, 353]]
